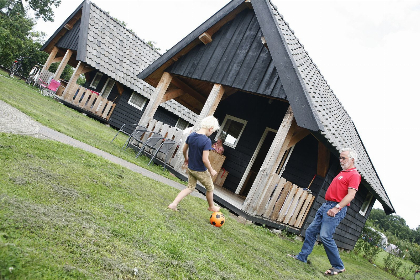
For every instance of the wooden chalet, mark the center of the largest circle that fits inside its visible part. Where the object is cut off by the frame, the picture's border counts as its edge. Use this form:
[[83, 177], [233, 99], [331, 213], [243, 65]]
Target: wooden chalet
[[110, 56], [282, 124]]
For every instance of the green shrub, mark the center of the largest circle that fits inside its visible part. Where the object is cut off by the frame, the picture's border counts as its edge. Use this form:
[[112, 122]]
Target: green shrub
[[392, 264], [367, 245], [415, 254]]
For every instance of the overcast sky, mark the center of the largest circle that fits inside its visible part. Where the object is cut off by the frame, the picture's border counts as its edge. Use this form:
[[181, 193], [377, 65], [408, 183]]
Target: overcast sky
[[368, 51]]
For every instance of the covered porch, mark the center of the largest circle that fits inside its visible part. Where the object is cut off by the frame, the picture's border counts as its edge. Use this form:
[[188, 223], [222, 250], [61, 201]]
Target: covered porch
[[272, 200], [69, 92]]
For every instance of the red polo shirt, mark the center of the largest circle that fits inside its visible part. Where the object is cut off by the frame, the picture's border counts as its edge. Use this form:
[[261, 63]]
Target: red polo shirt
[[346, 179]]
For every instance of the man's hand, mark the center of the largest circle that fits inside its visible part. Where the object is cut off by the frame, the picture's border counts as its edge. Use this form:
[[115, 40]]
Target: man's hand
[[213, 172], [333, 211]]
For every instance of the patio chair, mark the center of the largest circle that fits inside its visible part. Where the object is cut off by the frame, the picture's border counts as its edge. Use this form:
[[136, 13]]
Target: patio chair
[[126, 129], [137, 135], [153, 142], [51, 89], [164, 148]]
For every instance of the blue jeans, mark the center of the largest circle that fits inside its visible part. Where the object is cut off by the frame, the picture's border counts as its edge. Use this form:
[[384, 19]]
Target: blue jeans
[[325, 226]]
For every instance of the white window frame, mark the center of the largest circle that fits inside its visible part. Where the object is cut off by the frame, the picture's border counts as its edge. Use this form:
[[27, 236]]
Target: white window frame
[[365, 205], [96, 80], [110, 82], [135, 105], [229, 117], [180, 127]]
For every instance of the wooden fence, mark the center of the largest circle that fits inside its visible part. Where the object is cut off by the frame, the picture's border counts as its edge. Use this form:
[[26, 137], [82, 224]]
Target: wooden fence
[[285, 202], [89, 101]]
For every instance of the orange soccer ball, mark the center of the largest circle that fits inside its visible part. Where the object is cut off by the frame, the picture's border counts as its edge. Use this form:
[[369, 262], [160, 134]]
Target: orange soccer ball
[[217, 219]]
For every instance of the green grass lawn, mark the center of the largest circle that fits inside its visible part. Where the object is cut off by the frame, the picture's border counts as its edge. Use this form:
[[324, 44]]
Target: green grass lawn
[[68, 214], [59, 117]]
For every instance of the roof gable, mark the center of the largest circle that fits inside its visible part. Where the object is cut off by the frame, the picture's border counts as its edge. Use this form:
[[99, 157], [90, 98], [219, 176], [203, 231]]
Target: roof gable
[[71, 38], [236, 57]]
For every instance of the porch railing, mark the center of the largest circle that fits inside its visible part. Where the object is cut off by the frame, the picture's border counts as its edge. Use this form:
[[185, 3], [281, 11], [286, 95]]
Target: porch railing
[[168, 132], [89, 101], [285, 203]]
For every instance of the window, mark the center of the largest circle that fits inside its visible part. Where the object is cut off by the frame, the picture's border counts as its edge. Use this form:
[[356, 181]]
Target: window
[[181, 124], [106, 90], [231, 130], [366, 204], [137, 100], [96, 80]]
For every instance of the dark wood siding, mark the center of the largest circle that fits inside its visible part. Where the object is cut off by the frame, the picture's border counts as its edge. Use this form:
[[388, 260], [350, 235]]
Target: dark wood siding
[[165, 116], [71, 38], [236, 57], [124, 113], [259, 114], [350, 228], [302, 165]]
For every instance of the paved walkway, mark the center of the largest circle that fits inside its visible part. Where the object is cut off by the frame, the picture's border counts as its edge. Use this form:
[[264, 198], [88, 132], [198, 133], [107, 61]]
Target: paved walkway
[[14, 121]]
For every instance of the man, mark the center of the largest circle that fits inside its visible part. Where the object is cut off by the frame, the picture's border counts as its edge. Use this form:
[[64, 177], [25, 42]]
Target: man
[[340, 193]]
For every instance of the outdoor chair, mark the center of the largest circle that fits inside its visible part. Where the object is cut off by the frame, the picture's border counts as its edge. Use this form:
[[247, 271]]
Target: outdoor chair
[[164, 148], [137, 135], [126, 129], [153, 142], [51, 89]]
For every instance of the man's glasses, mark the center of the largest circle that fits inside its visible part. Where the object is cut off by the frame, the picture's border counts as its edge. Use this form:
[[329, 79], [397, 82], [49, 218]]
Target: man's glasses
[[342, 158]]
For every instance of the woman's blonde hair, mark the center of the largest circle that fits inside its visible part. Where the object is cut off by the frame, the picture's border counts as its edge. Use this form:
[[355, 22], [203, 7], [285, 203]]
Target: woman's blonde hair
[[210, 122]]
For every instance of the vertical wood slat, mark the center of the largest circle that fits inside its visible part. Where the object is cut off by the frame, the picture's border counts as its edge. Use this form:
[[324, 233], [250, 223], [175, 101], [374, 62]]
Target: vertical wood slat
[[68, 93], [281, 200], [267, 193], [293, 206], [110, 111], [108, 107], [97, 105], [91, 101], [305, 210], [274, 198], [286, 204], [85, 98], [78, 100], [299, 209]]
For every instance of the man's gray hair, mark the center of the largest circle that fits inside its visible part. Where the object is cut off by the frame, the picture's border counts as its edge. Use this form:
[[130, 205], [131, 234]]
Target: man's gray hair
[[352, 153]]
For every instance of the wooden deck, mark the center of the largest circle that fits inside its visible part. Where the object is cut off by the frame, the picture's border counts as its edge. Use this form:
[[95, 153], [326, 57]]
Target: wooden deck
[[234, 203]]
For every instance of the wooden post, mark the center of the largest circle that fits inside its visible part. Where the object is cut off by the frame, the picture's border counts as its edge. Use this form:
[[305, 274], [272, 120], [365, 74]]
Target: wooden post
[[209, 108], [156, 99], [63, 64], [50, 59], [73, 79], [260, 182]]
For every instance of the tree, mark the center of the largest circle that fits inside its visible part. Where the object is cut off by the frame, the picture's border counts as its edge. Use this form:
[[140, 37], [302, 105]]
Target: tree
[[67, 72], [16, 38], [41, 8]]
